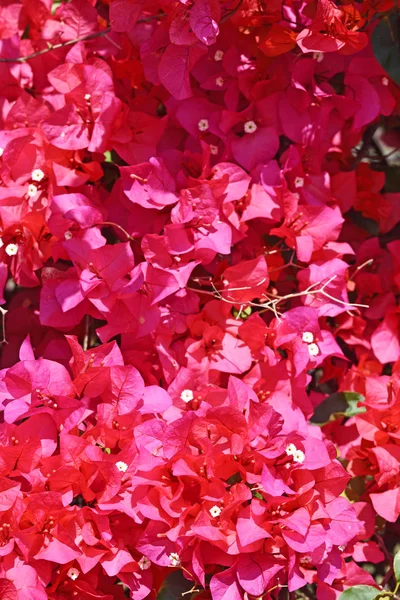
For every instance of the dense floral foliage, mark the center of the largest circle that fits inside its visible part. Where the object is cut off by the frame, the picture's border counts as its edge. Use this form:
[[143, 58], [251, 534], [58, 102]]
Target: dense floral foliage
[[199, 273]]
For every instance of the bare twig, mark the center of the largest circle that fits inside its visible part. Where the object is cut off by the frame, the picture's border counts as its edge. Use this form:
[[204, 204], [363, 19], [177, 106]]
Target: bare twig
[[112, 224], [51, 47], [84, 38], [382, 546], [312, 290], [86, 337], [112, 42], [388, 575], [3, 312], [231, 12], [364, 264], [366, 143]]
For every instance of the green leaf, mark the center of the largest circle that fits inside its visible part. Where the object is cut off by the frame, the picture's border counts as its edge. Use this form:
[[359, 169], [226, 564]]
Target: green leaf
[[396, 566], [359, 592], [244, 313], [338, 404], [174, 586], [352, 399], [56, 4], [385, 43], [257, 495], [235, 478]]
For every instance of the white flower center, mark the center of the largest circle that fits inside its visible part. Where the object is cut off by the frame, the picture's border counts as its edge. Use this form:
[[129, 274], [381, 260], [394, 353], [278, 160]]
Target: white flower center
[[121, 466], [299, 456], [11, 249], [37, 175], [215, 511], [73, 573], [291, 449], [87, 97], [250, 127], [187, 395], [68, 235], [32, 190], [213, 149], [299, 182], [218, 56], [307, 337], [144, 563], [318, 56], [219, 81], [174, 559], [313, 350], [203, 124]]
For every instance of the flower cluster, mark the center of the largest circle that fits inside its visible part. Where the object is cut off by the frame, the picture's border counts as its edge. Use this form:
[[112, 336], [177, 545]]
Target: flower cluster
[[198, 258], [103, 476]]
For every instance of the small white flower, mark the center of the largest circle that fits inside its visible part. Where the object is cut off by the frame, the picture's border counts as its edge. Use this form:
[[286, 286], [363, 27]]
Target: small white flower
[[313, 349], [250, 127], [218, 56], [87, 97], [174, 559], [68, 235], [187, 395], [219, 81], [385, 81], [37, 175], [299, 182], [73, 573], [203, 124], [291, 449], [215, 511], [32, 190], [213, 149], [144, 563], [307, 337], [299, 456], [121, 466], [318, 56], [1, 151], [12, 249]]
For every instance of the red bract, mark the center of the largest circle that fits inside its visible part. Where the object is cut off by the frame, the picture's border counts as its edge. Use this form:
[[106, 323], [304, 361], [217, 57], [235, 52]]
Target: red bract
[[199, 278]]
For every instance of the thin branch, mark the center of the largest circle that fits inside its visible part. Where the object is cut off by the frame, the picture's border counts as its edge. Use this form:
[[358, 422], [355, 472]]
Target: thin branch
[[112, 42], [112, 224], [3, 312], [50, 48], [382, 546], [274, 302], [366, 143], [388, 575], [86, 337], [367, 263], [231, 12], [84, 38]]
